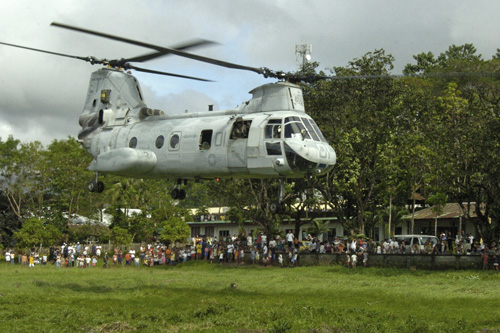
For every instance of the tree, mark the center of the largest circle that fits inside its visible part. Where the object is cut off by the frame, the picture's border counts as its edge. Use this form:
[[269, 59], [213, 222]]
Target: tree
[[356, 116], [35, 233], [174, 230], [120, 237]]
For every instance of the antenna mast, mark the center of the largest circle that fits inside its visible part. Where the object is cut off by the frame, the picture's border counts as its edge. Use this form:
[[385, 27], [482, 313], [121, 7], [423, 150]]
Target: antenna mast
[[302, 55]]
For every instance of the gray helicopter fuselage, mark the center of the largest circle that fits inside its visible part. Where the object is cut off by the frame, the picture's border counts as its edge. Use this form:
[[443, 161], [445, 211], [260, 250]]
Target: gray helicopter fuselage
[[269, 136]]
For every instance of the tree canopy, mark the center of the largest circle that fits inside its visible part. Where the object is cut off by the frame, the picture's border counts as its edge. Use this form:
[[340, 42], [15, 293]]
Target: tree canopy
[[398, 141]]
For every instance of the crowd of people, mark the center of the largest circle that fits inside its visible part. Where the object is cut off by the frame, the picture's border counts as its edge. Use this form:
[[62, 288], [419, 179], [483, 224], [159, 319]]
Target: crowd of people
[[243, 249]]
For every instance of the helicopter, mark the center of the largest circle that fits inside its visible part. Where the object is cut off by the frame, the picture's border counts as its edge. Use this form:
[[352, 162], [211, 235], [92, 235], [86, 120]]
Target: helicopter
[[268, 136]]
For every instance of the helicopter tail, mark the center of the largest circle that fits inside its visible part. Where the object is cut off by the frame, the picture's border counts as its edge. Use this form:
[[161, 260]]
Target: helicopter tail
[[111, 95]]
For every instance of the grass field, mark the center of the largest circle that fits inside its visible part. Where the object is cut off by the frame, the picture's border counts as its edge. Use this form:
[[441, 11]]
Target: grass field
[[198, 296]]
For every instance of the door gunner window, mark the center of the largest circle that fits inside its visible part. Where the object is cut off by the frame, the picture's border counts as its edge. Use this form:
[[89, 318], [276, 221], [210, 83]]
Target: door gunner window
[[240, 128]]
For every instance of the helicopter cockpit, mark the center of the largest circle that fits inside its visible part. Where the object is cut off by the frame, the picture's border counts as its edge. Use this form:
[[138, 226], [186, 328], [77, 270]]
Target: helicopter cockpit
[[301, 142]]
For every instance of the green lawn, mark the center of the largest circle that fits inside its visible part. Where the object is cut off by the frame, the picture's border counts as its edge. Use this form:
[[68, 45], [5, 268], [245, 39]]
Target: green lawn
[[198, 296]]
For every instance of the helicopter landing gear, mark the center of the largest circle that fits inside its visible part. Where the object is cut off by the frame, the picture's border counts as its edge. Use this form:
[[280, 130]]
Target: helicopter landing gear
[[95, 185], [279, 206], [177, 192]]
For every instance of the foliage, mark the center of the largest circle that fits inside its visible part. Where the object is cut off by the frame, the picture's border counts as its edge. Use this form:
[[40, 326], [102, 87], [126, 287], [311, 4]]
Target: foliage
[[174, 230], [399, 142], [35, 233], [120, 237]]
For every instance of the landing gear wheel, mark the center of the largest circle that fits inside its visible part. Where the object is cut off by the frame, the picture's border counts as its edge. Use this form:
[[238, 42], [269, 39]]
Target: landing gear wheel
[[275, 207], [182, 194], [92, 186], [100, 187], [283, 209], [175, 194]]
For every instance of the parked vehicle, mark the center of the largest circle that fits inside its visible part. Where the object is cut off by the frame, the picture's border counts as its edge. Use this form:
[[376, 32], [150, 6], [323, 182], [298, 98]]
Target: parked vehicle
[[421, 240]]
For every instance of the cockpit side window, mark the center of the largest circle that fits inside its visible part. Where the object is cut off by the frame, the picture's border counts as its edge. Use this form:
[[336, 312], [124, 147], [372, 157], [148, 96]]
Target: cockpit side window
[[273, 129]]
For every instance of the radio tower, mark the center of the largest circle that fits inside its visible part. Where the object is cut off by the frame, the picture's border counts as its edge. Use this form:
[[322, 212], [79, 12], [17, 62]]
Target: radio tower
[[302, 55]]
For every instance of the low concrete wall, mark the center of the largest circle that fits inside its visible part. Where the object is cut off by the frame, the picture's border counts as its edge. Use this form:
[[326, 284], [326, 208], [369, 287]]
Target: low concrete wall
[[411, 261]]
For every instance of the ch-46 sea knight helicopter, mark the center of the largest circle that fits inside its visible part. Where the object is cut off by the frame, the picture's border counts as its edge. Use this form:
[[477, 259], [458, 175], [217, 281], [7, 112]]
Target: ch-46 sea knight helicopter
[[269, 136]]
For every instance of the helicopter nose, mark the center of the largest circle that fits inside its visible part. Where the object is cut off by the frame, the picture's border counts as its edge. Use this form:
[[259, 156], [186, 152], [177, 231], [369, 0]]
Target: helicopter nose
[[297, 158], [314, 159]]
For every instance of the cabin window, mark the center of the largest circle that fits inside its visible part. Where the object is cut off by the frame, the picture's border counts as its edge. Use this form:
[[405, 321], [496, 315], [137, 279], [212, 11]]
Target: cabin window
[[218, 139], [206, 139], [133, 142], [240, 128], [105, 93], [174, 142], [273, 148], [159, 141], [223, 234]]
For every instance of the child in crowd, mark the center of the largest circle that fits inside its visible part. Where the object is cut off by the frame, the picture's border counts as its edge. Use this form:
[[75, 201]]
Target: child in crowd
[[252, 255], [294, 257], [348, 260], [212, 256], [94, 261], [354, 260], [87, 261], [485, 260], [221, 257], [495, 262], [280, 260], [242, 256]]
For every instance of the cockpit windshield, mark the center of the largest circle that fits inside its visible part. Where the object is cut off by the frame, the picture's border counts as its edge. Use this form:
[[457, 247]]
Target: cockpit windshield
[[295, 127]]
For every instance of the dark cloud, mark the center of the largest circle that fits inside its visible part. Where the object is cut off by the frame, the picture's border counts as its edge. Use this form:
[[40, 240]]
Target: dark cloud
[[41, 96]]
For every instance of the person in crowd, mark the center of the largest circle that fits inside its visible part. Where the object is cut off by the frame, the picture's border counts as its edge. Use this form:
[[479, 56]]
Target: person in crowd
[[354, 260], [106, 260], [485, 260], [365, 258]]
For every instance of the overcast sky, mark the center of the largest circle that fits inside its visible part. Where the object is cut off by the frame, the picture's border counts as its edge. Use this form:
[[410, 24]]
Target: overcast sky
[[41, 96]]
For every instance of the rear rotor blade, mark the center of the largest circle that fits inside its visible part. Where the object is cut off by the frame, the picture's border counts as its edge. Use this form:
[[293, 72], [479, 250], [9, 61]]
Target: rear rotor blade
[[162, 49], [88, 59]]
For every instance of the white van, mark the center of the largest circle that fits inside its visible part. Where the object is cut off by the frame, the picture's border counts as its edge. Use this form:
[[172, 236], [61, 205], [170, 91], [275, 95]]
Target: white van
[[421, 240]]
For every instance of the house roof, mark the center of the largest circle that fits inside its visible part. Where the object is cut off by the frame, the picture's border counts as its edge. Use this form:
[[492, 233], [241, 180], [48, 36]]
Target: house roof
[[449, 211]]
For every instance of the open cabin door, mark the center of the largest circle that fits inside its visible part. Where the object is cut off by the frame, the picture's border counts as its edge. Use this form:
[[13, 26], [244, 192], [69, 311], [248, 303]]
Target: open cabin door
[[237, 147]]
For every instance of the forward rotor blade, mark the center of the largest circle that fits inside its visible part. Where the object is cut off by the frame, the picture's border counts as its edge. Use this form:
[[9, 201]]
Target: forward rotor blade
[[313, 78], [165, 73], [163, 49], [48, 52], [188, 45]]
